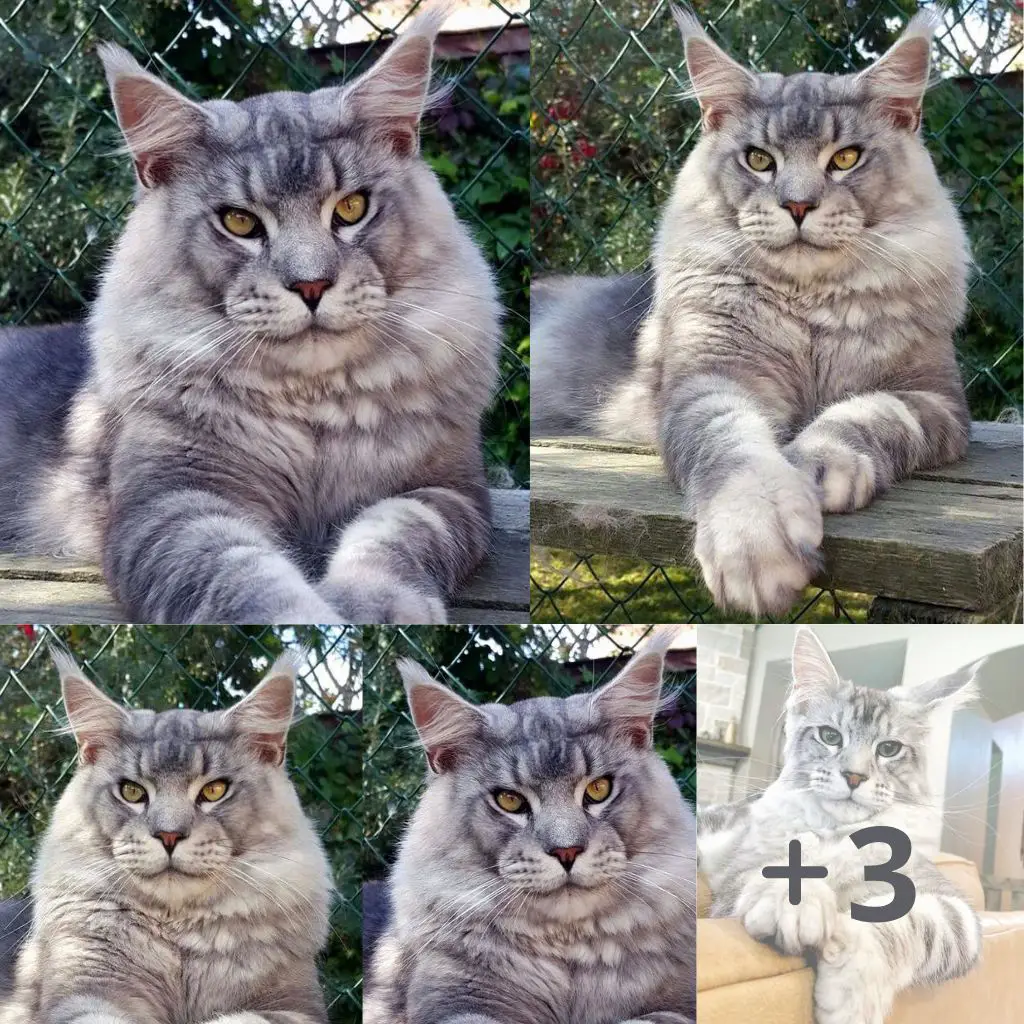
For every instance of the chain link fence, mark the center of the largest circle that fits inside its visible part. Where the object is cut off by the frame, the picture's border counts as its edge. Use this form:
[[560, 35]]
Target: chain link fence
[[499, 663], [609, 132], [202, 667], [64, 195]]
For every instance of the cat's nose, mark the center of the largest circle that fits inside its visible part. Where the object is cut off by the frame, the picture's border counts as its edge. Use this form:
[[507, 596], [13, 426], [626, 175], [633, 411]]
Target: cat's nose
[[798, 210], [170, 840], [566, 855], [311, 292], [853, 779]]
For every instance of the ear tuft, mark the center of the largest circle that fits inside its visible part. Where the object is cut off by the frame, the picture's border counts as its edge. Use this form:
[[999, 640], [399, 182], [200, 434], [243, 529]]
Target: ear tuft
[[630, 701], [158, 123], [391, 97], [447, 724], [95, 720], [719, 84], [956, 690], [814, 675], [899, 78], [266, 714]]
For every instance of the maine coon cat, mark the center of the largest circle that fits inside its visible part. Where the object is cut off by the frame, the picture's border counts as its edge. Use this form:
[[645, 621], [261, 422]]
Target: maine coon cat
[[797, 356], [179, 878], [547, 875], [854, 757], [274, 412]]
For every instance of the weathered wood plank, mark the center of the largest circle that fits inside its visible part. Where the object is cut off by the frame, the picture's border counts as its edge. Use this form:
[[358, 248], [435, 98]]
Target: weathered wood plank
[[59, 591], [947, 541], [995, 454]]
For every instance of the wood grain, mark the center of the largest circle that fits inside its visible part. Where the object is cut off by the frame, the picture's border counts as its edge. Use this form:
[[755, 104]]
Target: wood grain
[[951, 537]]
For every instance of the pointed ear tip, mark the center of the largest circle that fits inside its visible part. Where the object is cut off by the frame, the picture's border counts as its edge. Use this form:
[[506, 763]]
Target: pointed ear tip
[[117, 60]]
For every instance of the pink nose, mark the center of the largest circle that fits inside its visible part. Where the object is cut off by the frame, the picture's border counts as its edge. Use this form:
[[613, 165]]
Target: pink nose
[[566, 855], [311, 291], [798, 210], [169, 839]]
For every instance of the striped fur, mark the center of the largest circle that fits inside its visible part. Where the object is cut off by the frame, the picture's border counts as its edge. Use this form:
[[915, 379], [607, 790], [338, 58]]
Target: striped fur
[[231, 937], [784, 369], [232, 454], [486, 926], [860, 966]]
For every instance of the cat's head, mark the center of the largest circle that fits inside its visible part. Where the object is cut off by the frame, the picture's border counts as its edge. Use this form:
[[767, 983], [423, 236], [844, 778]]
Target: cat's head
[[807, 169], [553, 796], [283, 213], [857, 750], [183, 805]]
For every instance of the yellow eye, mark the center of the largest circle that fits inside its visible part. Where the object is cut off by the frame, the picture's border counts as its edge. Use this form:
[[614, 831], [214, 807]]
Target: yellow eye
[[214, 791], [132, 792], [509, 801], [351, 209], [599, 790], [759, 160], [240, 223], [845, 158]]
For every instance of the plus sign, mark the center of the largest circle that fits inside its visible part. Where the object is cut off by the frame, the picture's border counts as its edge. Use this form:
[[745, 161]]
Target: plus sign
[[795, 871]]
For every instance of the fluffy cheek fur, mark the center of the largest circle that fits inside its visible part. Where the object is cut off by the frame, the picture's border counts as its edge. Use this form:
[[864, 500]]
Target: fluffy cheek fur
[[204, 853]]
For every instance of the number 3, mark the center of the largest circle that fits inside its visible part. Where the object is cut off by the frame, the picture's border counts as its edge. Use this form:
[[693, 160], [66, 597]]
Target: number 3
[[904, 892]]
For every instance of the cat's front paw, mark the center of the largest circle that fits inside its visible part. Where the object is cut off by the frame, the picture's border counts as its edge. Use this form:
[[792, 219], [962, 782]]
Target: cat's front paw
[[846, 478], [854, 982], [768, 916], [384, 599], [758, 537]]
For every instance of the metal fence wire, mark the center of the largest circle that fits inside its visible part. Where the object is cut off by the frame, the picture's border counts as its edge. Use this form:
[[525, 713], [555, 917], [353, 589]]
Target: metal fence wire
[[64, 194], [202, 667], [497, 663], [609, 132]]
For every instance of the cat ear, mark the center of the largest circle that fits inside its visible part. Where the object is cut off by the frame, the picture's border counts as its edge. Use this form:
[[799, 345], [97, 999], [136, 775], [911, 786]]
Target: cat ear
[[158, 123], [720, 84], [813, 671], [447, 724], [391, 97], [93, 717], [956, 690], [265, 716], [899, 78], [631, 700]]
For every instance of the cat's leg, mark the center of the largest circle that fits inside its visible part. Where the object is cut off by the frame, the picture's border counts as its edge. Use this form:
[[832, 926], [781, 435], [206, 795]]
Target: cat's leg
[[91, 1010], [401, 559], [267, 1017], [859, 447], [758, 516], [660, 1017], [865, 965], [184, 554]]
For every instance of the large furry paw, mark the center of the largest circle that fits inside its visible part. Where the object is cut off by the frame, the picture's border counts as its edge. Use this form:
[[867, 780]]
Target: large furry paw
[[854, 984], [758, 537], [846, 478], [384, 599], [768, 916]]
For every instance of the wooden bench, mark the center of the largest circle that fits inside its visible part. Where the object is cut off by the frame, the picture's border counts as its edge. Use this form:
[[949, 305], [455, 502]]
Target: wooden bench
[[944, 546], [59, 591]]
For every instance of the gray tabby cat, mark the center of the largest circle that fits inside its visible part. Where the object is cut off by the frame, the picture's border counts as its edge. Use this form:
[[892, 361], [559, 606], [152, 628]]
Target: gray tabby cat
[[179, 878], [809, 273], [274, 414], [547, 875], [854, 757]]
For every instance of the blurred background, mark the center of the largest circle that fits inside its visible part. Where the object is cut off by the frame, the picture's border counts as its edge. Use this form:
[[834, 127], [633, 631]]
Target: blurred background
[[975, 759], [499, 663], [64, 195], [203, 667], [610, 131]]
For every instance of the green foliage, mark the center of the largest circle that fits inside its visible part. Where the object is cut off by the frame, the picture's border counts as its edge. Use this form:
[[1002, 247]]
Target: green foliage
[[609, 133], [64, 190], [501, 663], [204, 667]]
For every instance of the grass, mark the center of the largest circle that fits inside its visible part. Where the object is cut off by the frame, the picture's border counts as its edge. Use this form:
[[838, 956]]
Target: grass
[[565, 587]]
